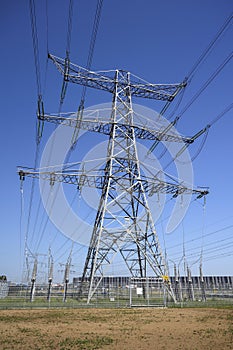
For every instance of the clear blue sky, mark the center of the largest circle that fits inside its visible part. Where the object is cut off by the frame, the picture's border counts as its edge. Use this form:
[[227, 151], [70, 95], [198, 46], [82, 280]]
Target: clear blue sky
[[156, 40]]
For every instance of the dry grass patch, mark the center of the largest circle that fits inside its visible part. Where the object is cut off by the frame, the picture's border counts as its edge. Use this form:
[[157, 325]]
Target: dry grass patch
[[116, 329]]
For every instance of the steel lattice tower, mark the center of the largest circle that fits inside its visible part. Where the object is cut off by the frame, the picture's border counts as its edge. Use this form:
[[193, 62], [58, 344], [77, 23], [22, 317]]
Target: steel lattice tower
[[132, 234], [123, 223]]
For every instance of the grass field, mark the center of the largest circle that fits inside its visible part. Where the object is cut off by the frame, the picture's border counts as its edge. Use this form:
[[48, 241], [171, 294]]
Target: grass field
[[153, 328]]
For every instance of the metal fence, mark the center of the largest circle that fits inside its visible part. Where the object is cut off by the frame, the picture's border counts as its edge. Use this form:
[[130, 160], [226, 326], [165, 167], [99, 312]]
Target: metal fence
[[4, 288], [121, 292]]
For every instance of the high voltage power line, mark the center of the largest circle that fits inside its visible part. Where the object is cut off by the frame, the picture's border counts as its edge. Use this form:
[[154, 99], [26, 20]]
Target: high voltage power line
[[38, 79]]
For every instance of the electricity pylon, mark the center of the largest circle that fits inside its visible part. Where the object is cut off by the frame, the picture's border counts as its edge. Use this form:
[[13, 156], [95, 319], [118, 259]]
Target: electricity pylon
[[123, 223]]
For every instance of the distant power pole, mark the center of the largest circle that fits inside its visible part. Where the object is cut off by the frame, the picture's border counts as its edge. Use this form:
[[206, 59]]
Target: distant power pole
[[33, 280], [50, 275]]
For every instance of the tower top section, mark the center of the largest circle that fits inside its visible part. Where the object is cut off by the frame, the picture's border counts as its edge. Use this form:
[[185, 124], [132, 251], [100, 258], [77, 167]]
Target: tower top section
[[106, 80]]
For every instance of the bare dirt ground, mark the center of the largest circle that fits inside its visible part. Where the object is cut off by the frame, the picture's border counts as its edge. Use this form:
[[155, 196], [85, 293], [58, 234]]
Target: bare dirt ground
[[116, 329]]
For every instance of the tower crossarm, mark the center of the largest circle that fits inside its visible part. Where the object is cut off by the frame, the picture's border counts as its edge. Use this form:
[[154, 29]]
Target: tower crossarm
[[105, 127], [95, 180], [105, 80]]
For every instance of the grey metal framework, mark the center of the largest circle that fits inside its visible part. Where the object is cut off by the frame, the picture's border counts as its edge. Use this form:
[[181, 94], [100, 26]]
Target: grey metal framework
[[94, 179], [106, 80], [105, 127], [123, 224]]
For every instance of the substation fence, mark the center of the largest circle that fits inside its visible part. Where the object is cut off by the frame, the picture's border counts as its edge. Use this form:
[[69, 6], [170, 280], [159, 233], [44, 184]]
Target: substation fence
[[210, 290], [120, 292], [4, 288]]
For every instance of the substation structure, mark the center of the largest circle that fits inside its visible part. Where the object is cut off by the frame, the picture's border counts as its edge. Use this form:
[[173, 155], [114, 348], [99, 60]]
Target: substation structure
[[122, 291]]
